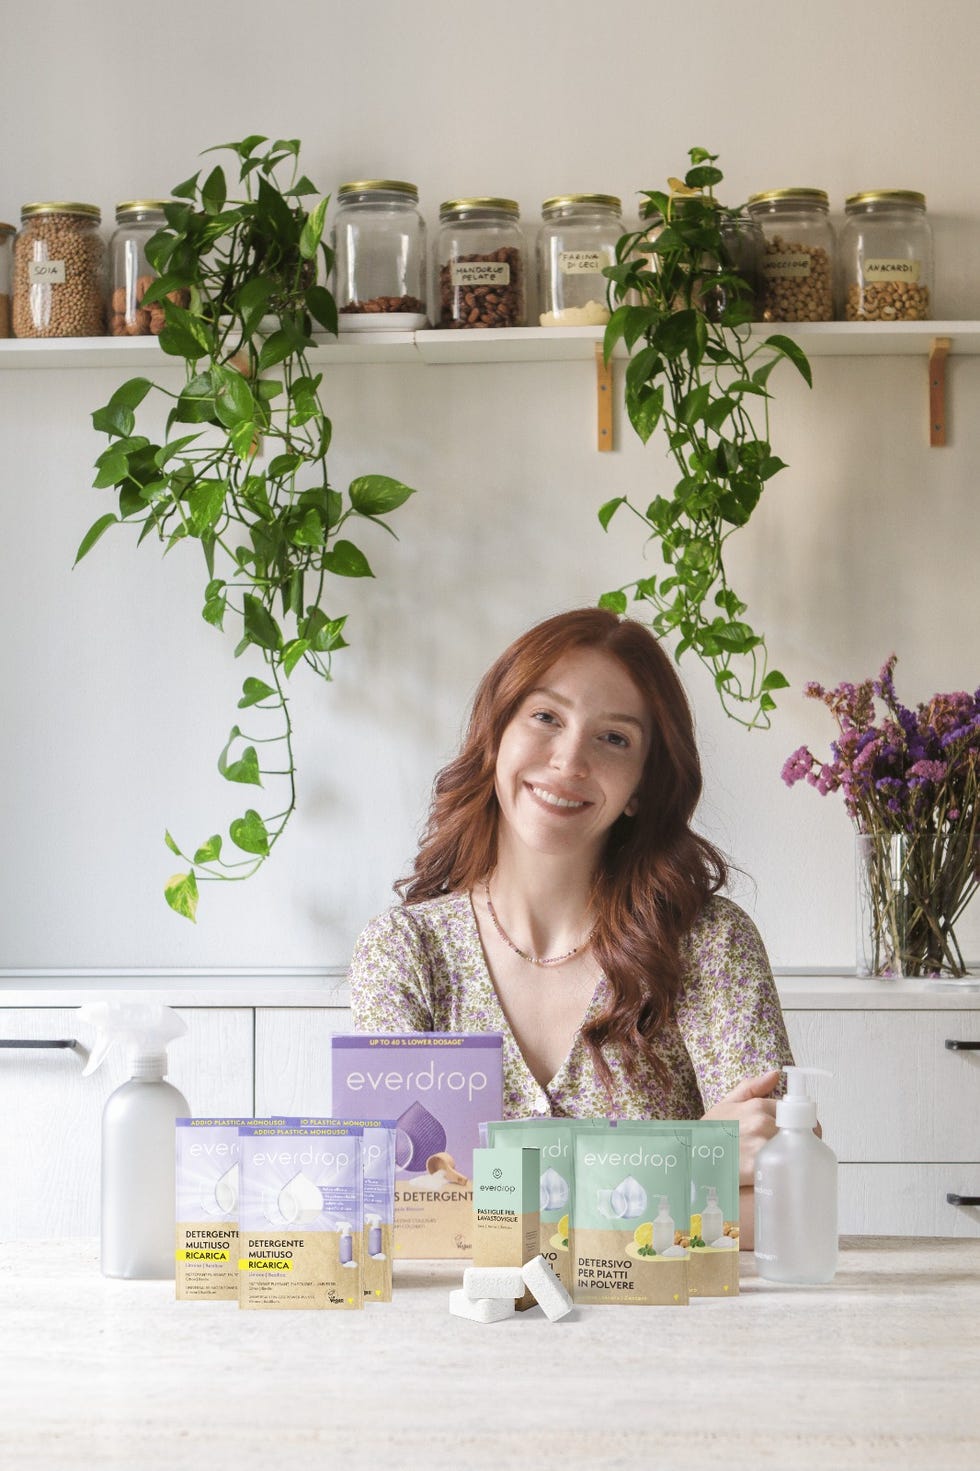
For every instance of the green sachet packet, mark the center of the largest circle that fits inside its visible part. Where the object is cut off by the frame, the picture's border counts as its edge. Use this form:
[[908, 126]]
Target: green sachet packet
[[632, 1187]]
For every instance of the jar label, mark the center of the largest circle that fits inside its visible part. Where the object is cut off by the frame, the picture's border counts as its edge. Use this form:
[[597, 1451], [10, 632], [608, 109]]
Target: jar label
[[789, 267], [891, 270], [480, 273], [583, 262], [46, 272]]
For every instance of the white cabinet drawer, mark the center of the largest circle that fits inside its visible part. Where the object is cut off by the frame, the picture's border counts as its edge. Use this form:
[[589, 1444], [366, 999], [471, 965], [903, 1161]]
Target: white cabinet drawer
[[50, 1141], [907, 1200], [898, 1093], [292, 1059]]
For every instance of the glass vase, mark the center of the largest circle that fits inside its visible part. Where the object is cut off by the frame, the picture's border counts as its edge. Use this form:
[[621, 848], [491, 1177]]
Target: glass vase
[[905, 925], [880, 862]]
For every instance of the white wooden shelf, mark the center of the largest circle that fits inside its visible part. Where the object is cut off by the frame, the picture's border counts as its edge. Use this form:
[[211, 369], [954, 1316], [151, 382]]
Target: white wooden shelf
[[503, 345]]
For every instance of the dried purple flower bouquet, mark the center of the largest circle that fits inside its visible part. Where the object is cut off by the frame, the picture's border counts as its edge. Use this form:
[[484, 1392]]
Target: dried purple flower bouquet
[[910, 785]]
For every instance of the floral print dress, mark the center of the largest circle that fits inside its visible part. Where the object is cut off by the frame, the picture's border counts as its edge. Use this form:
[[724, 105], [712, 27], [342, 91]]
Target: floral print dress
[[421, 968]]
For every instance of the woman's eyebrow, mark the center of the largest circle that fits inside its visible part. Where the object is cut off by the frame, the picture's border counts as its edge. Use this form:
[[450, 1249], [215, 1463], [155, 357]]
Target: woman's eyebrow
[[604, 715]]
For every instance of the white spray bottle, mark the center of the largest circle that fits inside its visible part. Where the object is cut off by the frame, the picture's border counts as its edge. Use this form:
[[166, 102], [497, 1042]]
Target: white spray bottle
[[138, 1169], [796, 1192]]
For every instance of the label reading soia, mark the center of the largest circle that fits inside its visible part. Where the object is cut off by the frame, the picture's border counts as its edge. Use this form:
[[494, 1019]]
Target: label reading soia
[[46, 272]]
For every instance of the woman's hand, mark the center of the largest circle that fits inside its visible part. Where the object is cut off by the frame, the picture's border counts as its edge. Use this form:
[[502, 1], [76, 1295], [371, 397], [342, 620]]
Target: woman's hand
[[750, 1105]]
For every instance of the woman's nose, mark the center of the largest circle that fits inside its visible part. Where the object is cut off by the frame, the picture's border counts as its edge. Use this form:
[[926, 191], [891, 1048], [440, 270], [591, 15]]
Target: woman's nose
[[570, 753]]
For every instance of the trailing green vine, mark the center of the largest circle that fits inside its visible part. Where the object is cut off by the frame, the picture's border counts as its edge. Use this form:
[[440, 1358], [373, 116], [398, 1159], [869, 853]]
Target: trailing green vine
[[249, 483], [683, 309]]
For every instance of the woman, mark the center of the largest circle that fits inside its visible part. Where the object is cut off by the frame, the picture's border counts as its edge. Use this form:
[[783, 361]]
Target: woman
[[560, 897]]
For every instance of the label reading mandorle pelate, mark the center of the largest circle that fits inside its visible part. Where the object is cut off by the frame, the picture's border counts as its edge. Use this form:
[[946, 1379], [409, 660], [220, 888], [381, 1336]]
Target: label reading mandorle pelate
[[480, 273]]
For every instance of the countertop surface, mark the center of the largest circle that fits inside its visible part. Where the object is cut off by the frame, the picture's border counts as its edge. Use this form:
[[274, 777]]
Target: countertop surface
[[877, 1369]]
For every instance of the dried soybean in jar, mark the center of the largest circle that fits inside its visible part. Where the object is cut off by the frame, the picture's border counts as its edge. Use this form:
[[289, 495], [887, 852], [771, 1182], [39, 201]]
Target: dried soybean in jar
[[59, 272]]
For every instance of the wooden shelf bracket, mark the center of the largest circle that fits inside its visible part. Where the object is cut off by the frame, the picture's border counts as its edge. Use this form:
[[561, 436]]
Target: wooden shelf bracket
[[604, 400], [937, 391]]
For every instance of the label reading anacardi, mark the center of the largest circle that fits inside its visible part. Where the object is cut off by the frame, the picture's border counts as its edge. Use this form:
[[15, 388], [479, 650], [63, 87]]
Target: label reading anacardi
[[884, 269]]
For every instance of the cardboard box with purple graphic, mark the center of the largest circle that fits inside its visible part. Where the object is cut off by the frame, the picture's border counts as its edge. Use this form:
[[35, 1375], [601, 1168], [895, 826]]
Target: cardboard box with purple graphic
[[439, 1086]]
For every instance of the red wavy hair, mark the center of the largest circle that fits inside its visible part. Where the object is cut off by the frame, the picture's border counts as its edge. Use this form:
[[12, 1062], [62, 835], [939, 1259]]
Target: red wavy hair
[[656, 874]]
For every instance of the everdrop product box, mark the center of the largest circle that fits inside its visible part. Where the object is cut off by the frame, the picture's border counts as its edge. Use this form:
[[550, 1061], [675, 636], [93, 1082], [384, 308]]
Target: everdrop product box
[[632, 1187], [506, 1226], [713, 1227], [300, 1216], [207, 1179], [437, 1087]]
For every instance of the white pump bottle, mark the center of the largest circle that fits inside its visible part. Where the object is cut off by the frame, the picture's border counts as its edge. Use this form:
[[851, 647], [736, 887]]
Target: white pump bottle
[[138, 1169], [796, 1192]]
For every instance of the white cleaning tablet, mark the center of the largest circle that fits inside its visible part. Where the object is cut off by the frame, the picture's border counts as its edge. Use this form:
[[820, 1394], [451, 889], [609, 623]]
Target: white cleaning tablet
[[492, 1282], [481, 1309], [549, 1292]]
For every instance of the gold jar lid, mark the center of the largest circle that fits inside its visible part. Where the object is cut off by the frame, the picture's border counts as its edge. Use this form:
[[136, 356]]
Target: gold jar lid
[[886, 196], [560, 201], [818, 197], [127, 208], [388, 186], [61, 207], [502, 206]]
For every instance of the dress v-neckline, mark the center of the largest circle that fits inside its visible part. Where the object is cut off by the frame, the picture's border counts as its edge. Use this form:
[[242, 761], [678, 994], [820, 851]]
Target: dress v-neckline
[[502, 1024]]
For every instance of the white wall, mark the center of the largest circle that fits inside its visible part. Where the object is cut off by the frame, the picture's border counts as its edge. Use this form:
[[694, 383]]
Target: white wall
[[117, 697]]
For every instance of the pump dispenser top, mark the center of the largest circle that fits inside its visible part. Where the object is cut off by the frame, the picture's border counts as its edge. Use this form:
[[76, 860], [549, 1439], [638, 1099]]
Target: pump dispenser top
[[797, 1109]]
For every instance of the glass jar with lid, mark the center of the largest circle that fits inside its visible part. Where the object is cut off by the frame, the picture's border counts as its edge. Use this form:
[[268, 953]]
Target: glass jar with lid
[[130, 273], [798, 264], [741, 254], [7, 233], [886, 257], [481, 263], [59, 271], [379, 273], [577, 241]]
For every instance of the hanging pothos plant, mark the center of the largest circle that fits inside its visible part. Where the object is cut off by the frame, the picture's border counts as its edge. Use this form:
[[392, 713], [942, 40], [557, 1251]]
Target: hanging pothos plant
[[242, 466], [683, 310]]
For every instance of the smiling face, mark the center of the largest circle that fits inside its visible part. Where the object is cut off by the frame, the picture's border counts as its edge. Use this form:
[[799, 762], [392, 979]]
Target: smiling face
[[571, 758]]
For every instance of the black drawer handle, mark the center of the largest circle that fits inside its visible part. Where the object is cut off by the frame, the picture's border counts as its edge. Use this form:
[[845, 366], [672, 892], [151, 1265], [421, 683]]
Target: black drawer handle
[[955, 1046], [963, 1199], [17, 1042]]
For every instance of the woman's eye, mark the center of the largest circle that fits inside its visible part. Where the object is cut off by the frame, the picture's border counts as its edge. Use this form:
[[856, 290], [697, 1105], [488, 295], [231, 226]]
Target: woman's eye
[[616, 738], [544, 716]]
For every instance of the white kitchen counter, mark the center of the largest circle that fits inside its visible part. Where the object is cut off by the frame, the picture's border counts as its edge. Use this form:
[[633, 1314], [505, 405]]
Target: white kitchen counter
[[312, 987], [877, 1369]]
